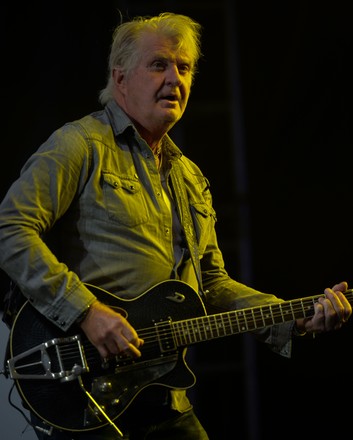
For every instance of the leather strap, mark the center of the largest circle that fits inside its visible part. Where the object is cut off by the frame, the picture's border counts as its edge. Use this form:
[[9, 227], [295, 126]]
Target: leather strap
[[183, 208]]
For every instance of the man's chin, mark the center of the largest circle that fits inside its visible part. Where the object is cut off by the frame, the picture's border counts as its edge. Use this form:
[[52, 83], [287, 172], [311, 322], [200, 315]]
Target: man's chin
[[171, 116]]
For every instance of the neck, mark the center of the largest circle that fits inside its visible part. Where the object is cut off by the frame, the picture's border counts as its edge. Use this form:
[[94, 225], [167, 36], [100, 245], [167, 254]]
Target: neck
[[153, 136]]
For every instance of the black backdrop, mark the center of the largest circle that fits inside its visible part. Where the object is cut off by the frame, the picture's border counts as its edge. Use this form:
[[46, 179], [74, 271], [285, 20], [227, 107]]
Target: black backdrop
[[284, 228]]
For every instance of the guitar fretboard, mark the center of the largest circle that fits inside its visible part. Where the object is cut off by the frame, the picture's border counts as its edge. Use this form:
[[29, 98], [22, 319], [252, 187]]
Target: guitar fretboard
[[219, 325]]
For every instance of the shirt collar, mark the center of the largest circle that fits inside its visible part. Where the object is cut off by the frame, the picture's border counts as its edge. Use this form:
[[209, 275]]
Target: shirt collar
[[120, 122]]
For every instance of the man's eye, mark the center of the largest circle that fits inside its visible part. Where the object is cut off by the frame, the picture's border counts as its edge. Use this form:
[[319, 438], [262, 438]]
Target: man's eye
[[159, 65], [184, 68]]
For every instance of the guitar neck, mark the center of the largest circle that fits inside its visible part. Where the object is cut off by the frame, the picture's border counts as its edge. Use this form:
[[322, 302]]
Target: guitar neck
[[205, 328]]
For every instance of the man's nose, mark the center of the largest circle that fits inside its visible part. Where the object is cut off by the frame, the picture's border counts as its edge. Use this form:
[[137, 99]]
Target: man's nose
[[173, 76]]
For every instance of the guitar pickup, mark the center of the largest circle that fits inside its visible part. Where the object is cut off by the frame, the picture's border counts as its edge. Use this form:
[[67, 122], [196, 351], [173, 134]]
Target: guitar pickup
[[59, 358], [165, 336]]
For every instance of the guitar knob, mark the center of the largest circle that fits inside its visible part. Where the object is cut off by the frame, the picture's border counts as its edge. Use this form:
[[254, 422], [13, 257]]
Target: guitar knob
[[105, 387], [115, 402], [105, 364]]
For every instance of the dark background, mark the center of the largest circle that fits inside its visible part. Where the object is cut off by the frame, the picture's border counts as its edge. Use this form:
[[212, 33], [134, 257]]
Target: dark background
[[269, 123]]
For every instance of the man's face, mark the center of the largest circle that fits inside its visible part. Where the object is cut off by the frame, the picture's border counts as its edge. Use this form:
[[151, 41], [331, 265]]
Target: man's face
[[156, 92]]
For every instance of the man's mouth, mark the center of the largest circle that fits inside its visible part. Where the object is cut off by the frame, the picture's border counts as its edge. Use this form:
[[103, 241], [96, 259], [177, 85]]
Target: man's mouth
[[172, 98]]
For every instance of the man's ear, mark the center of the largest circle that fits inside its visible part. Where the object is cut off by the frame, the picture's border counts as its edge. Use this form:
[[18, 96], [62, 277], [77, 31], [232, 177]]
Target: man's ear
[[118, 78]]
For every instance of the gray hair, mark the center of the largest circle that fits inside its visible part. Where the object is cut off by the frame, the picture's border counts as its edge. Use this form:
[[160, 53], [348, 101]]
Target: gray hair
[[124, 50]]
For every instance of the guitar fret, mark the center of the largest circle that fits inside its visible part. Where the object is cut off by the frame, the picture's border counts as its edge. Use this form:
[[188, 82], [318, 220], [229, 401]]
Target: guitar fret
[[209, 328], [217, 326], [262, 317], [214, 326], [292, 310], [198, 330], [175, 329], [202, 329], [281, 311], [267, 316], [271, 312], [302, 305], [248, 316], [258, 318], [182, 340], [221, 329], [186, 332], [287, 311], [253, 317], [237, 320], [193, 331], [277, 317], [224, 327], [243, 324], [299, 310], [309, 311]]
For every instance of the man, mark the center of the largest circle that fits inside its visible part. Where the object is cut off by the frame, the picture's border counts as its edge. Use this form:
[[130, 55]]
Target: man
[[109, 202]]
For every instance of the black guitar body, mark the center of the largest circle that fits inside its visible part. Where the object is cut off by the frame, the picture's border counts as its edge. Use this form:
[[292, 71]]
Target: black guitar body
[[48, 376]]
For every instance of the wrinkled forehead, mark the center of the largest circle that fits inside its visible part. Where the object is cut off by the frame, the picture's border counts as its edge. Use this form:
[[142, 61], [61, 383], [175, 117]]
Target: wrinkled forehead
[[164, 45]]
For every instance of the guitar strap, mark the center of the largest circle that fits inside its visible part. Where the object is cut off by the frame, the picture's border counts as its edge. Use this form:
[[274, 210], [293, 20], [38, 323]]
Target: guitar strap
[[183, 208]]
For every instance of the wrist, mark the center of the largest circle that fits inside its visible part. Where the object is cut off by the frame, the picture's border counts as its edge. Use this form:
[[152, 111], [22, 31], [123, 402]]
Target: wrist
[[83, 315], [298, 330]]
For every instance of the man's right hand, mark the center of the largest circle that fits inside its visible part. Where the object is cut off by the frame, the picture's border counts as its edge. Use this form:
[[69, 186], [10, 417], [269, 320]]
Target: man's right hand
[[110, 332]]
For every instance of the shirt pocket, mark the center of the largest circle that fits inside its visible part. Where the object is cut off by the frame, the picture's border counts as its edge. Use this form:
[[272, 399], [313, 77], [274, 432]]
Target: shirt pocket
[[124, 199], [204, 217]]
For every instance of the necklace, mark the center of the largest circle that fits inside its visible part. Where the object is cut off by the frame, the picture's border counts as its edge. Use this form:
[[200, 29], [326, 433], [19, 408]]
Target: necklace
[[157, 153], [158, 157]]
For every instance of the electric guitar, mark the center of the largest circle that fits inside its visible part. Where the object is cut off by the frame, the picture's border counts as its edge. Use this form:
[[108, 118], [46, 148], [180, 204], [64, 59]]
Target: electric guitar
[[64, 381]]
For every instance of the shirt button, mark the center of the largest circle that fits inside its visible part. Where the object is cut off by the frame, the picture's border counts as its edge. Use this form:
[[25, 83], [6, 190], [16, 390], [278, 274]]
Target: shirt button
[[158, 194]]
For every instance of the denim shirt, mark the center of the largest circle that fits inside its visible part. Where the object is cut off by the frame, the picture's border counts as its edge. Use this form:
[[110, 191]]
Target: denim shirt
[[88, 208]]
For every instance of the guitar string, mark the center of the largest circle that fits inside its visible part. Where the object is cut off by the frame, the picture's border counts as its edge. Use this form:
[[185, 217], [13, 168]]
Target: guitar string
[[241, 316], [185, 332], [286, 311]]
